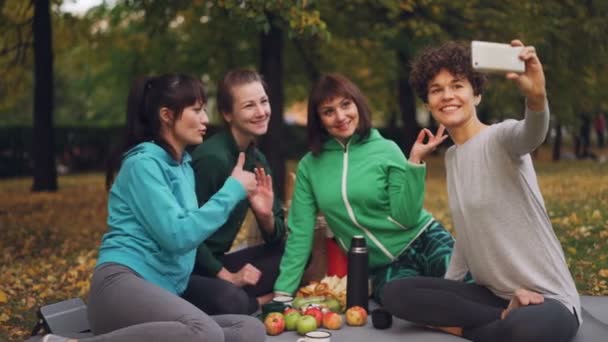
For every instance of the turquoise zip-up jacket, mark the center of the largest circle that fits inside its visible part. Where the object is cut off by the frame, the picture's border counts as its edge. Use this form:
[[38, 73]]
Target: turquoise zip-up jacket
[[366, 187], [155, 224]]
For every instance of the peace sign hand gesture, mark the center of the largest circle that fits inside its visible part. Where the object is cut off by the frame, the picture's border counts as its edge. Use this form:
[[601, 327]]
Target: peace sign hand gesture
[[421, 150]]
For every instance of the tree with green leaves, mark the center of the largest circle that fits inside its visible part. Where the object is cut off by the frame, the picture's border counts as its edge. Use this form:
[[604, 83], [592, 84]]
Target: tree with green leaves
[[273, 20], [209, 37], [403, 27]]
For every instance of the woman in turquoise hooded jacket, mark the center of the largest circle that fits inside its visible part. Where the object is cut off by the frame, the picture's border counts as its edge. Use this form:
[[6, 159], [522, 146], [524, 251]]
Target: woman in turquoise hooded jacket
[[139, 290], [363, 185]]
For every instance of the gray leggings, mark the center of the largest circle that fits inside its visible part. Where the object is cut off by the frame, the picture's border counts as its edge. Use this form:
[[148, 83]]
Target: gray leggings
[[124, 307]]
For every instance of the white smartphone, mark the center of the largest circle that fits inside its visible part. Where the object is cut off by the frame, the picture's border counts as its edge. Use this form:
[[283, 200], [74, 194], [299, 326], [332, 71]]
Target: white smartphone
[[496, 57]]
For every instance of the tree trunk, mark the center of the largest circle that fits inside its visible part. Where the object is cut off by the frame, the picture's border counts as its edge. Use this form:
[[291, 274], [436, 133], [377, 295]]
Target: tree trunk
[[271, 67], [407, 103], [557, 144], [45, 174]]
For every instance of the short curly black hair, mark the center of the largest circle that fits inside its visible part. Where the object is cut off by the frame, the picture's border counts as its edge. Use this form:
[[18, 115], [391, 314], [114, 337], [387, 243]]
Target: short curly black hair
[[452, 56]]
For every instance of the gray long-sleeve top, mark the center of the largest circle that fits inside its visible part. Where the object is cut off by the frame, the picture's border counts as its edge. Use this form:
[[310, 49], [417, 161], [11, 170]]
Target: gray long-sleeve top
[[504, 235]]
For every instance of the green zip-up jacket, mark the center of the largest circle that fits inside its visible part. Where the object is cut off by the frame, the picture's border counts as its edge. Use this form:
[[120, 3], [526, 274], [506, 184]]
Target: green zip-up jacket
[[366, 187], [213, 162]]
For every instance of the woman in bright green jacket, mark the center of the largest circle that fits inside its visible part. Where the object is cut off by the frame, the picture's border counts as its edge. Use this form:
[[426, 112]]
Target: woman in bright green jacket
[[363, 185]]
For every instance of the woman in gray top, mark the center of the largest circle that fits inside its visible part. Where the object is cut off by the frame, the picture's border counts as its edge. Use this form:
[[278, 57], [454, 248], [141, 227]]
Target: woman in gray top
[[523, 289]]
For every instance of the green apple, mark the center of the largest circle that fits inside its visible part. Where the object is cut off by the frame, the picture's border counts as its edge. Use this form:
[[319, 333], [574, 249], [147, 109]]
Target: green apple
[[306, 324], [291, 320], [332, 304]]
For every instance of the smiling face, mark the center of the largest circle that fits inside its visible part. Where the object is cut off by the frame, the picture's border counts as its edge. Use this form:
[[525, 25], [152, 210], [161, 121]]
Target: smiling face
[[451, 99], [340, 117], [250, 112]]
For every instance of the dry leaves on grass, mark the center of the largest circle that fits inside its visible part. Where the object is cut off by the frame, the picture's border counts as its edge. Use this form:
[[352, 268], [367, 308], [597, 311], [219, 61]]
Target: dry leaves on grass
[[576, 195], [49, 246]]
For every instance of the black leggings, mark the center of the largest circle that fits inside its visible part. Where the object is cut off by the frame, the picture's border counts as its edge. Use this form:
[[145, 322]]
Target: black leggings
[[447, 303], [219, 297]]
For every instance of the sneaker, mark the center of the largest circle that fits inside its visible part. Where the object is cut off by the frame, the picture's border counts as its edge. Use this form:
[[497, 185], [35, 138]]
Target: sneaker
[[54, 338]]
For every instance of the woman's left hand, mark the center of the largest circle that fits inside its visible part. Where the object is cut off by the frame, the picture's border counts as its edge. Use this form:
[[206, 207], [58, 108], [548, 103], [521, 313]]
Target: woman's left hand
[[262, 199], [532, 81], [421, 150]]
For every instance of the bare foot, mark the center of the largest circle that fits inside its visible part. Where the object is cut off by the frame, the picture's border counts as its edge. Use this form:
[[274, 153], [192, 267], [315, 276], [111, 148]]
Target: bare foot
[[56, 338], [451, 330], [265, 298], [522, 297]]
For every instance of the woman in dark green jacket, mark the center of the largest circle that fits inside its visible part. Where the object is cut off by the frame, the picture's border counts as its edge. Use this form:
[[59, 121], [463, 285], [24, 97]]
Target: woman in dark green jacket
[[237, 282], [363, 185]]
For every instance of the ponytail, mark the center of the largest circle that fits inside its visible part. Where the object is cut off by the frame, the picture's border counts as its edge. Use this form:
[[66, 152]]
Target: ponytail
[[146, 97]]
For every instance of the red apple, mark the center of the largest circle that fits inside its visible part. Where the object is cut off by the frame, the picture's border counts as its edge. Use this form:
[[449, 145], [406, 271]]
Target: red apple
[[306, 324], [332, 320], [356, 316], [289, 309], [274, 323], [316, 313]]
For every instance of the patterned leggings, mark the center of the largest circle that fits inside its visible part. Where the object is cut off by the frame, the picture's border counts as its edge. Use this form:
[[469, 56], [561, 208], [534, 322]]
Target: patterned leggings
[[429, 255]]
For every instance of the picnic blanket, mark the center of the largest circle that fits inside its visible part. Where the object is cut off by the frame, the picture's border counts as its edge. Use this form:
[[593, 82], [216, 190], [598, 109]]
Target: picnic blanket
[[594, 329]]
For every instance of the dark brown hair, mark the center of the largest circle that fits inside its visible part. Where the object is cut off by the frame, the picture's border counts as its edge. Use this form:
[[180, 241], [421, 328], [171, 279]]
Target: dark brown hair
[[146, 97], [451, 56], [232, 79], [328, 87]]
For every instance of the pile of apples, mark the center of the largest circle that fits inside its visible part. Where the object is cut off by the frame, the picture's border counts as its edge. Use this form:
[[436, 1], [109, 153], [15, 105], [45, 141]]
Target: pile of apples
[[312, 318]]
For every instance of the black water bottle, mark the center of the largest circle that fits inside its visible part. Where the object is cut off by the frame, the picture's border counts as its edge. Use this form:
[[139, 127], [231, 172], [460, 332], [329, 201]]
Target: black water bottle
[[357, 281]]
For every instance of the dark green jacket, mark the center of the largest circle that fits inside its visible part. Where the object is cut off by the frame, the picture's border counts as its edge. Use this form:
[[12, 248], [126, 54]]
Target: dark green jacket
[[213, 162]]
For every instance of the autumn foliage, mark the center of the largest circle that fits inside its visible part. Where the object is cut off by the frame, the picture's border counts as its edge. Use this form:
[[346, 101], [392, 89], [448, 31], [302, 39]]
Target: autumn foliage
[[48, 244], [48, 247]]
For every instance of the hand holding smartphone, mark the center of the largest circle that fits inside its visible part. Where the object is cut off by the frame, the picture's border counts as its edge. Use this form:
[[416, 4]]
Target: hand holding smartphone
[[496, 57]]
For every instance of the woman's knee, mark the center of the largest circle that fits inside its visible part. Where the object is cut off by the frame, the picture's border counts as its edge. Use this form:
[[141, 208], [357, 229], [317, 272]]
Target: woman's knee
[[395, 295], [203, 328], [253, 329], [232, 301], [240, 328], [551, 326], [389, 291]]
